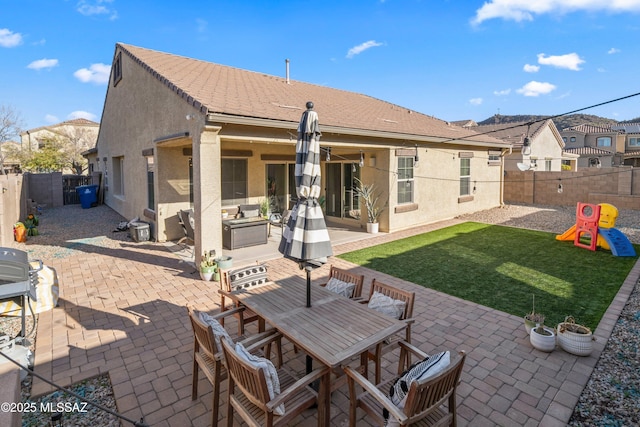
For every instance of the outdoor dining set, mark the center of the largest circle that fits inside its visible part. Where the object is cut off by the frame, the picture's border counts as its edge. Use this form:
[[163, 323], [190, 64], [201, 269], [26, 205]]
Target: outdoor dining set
[[341, 334]]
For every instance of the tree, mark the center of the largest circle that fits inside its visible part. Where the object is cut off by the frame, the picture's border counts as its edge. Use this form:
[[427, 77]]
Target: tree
[[10, 127]]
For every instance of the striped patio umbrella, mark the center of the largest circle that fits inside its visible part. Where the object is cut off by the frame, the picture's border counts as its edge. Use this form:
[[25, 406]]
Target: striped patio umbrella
[[305, 238]]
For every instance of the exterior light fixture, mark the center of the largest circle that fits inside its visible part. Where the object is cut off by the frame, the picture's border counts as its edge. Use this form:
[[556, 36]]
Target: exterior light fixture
[[415, 159], [361, 164], [560, 189], [353, 167], [328, 150]]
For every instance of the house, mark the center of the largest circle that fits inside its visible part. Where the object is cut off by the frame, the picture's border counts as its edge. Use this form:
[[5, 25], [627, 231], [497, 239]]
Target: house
[[536, 146], [631, 156], [78, 134], [597, 146], [10, 163], [179, 133]]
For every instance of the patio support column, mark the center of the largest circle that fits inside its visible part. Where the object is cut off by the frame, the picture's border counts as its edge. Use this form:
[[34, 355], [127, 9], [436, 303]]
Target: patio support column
[[206, 192]]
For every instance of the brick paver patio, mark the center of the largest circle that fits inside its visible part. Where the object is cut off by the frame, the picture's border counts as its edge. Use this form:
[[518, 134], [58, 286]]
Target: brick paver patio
[[122, 311]]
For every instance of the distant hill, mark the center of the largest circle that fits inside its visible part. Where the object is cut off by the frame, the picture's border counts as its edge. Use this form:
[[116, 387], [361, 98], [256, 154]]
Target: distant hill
[[560, 122]]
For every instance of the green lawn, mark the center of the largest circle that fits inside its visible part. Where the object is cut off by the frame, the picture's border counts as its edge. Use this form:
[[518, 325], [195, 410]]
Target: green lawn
[[503, 267]]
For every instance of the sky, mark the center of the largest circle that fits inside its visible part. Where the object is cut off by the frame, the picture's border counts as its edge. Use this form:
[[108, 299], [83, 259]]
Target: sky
[[450, 59]]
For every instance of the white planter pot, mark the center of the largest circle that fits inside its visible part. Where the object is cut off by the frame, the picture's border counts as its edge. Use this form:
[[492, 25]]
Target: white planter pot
[[206, 276], [543, 342], [372, 227]]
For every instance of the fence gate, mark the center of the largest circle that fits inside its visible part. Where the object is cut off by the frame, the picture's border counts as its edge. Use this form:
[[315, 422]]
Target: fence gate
[[69, 184]]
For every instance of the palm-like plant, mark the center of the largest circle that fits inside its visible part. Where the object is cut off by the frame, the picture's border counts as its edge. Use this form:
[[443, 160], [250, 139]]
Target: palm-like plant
[[368, 196]]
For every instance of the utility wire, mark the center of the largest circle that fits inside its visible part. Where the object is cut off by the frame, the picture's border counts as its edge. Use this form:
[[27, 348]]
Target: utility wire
[[140, 423]]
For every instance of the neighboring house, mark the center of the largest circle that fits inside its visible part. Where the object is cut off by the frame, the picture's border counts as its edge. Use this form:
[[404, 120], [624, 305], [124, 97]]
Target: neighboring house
[[631, 156], [597, 146], [80, 134], [179, 133], [9, 163], [543, 150]]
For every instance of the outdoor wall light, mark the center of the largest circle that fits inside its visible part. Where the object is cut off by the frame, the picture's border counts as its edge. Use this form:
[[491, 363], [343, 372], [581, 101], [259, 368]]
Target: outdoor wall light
[[353, 167], [526, 146], [560, 189], [415, 159], [190, 117], [361, 164], [328, 150]]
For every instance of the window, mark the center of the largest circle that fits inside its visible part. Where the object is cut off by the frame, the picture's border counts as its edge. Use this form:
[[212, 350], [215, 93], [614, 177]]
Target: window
[[150, 187], [634, 142], [234, 181], [547, 165], [465, 176], [564, 138], [118, 176], [405, 179], [572, 139], [494, 158], [603, 141], [116, 72]]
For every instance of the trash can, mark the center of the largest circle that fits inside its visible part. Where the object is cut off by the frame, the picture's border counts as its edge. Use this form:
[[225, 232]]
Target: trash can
[[139, 231], [88, 195]]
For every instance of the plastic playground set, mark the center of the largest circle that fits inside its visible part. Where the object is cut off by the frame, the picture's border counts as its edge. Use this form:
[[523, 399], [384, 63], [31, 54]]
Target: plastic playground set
[[595, 228]]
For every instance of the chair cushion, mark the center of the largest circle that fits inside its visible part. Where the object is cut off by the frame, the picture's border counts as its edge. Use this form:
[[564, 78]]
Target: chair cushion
[[340, 287], [219, 332], [247, 277], [270, 373], [430, 366], [250, 213], [387, 305]]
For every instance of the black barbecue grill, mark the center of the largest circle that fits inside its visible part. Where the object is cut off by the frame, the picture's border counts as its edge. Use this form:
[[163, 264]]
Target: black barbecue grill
[[18, 278]]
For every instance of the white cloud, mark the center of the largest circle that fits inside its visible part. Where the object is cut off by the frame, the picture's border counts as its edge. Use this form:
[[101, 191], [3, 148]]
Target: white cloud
[[51, 119], [97, 7], [362, 47], [570, 61], [43, 63], [531, 68], [96, 73], [9, 39], [613, 50], [81, 115], [475, 101], [523, 10], [503, 92], [534, 88]]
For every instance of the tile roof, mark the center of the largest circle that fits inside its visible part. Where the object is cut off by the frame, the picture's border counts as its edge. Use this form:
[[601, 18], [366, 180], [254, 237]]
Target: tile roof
[[513, 132], [583, 151], [632, 154], [585, 128], [216, 88]]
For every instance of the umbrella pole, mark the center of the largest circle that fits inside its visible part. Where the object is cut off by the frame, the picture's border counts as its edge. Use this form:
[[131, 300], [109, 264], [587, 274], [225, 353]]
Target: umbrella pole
[[308, 287]]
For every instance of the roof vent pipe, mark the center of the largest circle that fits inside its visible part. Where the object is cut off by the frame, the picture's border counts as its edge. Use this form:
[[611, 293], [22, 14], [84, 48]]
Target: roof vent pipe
[[286, 61]]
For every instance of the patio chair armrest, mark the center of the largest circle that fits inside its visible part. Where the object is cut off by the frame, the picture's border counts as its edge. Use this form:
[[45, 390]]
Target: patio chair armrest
[[227, 313], [297, 386], [412, 349], [261, 339], [375, 393], [359, 300]]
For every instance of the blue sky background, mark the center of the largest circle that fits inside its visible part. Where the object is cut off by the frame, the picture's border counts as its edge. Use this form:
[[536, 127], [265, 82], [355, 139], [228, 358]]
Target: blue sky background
[[453, 59]]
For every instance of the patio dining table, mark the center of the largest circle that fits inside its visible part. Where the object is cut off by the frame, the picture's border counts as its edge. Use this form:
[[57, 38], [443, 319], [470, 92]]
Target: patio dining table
[[333, 331]]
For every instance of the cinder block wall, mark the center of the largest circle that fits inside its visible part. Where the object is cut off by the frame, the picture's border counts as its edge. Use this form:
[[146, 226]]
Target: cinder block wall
[[617, 186]]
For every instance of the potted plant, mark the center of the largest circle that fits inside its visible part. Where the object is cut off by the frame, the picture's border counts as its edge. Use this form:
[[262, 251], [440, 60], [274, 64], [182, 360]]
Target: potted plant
[[208, 266], [574, 338], [264, 208], [543, 338], [532, 318], [368, 196]]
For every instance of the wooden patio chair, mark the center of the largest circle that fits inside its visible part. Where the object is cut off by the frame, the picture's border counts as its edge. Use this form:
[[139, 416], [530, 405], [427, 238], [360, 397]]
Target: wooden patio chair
[[207, 355], [185, 216], [405, 314], [241, 278], [429, 402], [248, 392], [347, 277]]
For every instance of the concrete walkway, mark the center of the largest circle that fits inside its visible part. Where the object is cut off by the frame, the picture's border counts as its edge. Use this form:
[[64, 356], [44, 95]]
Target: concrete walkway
[[122, 311]]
